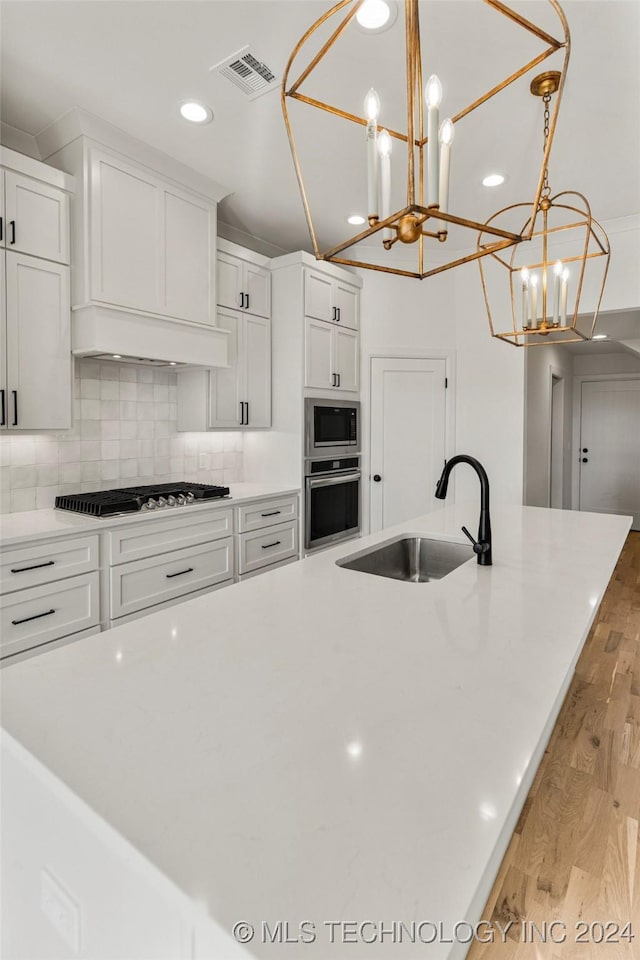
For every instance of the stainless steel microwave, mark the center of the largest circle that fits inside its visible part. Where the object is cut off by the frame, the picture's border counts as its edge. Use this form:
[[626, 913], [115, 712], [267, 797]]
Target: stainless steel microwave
[[332, 428]]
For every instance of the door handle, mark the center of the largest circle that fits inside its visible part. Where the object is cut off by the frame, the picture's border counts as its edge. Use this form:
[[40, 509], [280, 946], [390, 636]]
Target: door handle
[[2, 405], [12, 224], [1, 222], [242, 301], [333, 314], [36, 566], [15, 407], [246, 306], [585, 450], [338, 375], [377, 478], [276, 543], [241, 413], [338, 317], [585, 460], [333, 379], [246, 413]]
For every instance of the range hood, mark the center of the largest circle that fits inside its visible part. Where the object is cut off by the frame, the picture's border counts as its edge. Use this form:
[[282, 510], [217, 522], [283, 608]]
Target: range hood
[[109, 333]]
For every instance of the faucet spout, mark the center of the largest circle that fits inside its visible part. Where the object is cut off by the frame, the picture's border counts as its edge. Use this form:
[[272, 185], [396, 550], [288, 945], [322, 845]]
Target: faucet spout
[[481, 546]]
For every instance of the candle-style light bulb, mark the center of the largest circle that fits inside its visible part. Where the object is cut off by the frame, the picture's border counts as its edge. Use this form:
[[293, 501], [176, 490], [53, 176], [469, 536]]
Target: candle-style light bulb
[[372, 111], [372, 105], [433, 98], [433, 91], [563, 296], [385, 145], [447, 132]]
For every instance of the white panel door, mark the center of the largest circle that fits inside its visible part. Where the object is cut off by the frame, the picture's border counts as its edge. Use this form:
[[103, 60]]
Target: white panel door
[[318, 296], [257, 370], [225, 383], [36, 218], [318, 351], [346, 359], [345, 299], [407, 438], [188, 265], [610, 447], [256, 287], [126, 235], [38, 344], [229, 271]]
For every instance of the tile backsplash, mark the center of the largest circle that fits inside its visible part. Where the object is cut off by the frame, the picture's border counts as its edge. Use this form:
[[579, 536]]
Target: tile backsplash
[[124, 432]]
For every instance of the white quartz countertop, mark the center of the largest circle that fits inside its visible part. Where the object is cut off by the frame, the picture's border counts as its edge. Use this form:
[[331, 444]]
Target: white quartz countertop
[[18, 528], [318, 744]]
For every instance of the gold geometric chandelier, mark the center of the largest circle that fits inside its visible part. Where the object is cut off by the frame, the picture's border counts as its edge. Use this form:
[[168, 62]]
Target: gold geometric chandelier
[[425, 216], [547, 276]]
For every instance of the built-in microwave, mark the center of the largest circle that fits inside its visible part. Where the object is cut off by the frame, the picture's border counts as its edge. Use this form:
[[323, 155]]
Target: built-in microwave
[[332, 428]]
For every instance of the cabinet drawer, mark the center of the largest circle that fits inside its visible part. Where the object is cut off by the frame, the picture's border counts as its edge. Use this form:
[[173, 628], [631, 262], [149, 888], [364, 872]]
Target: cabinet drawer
[[41, 614], [262, 570], [46, 562], [10, 659], [145, 583], [264, 547], [266, 514], [168, 603], [184, 529]]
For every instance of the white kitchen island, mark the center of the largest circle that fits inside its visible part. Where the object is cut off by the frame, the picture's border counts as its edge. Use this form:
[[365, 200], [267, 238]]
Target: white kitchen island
[[316, 745]]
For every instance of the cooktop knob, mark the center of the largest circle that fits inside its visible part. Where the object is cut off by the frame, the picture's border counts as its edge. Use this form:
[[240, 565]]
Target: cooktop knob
[[190, 497], [151, 504], [181, 500], [171, 500], [162, 502]]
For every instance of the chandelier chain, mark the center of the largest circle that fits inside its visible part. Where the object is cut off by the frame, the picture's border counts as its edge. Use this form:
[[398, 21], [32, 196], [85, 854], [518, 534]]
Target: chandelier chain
[[546, 99]]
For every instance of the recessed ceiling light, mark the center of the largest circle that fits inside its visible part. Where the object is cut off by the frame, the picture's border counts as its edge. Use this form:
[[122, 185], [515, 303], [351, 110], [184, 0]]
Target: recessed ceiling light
[[374, 16], [355, 220], [172, 363], [599, 336], [117, 356], [493, 180], [196, 112]]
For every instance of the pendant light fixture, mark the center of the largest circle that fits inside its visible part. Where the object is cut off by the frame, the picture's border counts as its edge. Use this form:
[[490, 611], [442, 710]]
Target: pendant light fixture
[[565, 260], [429, 209]]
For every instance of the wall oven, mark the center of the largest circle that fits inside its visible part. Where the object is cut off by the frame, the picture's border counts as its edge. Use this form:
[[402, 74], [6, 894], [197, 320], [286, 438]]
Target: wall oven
[[332, 427], [332, 501]]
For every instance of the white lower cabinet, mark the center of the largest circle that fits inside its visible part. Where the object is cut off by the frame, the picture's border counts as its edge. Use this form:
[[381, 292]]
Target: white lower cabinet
[[157, 607], [144, 583], [35, 616], [264, 547]]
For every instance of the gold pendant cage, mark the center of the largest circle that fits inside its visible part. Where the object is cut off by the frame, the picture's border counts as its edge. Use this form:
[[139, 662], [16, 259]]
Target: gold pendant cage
[[412, 221]]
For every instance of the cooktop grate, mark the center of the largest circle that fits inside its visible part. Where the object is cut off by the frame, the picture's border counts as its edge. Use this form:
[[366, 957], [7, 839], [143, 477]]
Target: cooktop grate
[[103, 503]]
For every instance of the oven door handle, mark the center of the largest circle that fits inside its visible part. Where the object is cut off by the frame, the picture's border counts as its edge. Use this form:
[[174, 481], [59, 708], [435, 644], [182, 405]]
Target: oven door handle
[[331, 481]]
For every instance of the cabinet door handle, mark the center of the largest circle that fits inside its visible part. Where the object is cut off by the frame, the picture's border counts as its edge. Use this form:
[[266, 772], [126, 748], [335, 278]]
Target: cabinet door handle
[[247, 303], [242, 413], [12, 224], [267, 546], [273, 513], [338, 317], [246, 414], [36, 566], [180, 573], [242, 301], [338, 375], [36, 616], [1, 222], [333, 379], [15, 407], [4, 414]]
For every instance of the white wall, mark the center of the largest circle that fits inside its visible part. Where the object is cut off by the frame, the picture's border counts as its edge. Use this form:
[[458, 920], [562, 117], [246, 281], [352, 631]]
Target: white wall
[[603, 363], [541, 363]]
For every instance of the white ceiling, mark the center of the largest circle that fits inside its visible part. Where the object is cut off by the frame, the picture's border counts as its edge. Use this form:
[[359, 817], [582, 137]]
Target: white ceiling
[[132, 61]]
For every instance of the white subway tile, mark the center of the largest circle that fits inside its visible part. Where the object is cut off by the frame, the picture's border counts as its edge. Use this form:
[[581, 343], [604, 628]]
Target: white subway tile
[[69, 451], [109, 390], [90, 470], [21, 477], [90, 389], [110, 429], [46, 474], [128, 429], [23, 451], [90, 409], [128, 372], [128, 411], [90, 429], [110, 450], [145, 392], [109, 371], [109, 469], [109, 409], [128, 390], [24, 499], [128, 449], [45, 497], [128, 469], [89, 450], [69, 472]]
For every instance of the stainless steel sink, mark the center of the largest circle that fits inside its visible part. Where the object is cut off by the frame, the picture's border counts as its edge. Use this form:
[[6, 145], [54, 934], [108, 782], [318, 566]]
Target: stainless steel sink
[[411, 558]]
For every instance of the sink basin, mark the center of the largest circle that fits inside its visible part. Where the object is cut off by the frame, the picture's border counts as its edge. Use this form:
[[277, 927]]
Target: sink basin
[[411, 558]]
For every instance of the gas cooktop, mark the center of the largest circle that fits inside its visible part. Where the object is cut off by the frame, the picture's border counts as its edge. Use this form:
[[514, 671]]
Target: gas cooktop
[[158, 496]]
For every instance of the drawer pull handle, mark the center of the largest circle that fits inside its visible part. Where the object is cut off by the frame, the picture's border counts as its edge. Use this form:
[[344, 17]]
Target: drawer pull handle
[[36, 616], [180, 573], [36, 566], [273, 513], [276, 543]]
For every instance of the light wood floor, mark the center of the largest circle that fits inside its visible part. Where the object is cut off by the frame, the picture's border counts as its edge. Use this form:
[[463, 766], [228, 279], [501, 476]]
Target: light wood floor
[[575, 855]]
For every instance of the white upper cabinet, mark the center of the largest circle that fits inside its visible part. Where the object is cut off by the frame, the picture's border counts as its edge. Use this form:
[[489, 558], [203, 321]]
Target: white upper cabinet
[[257, 371], [225, 384], [151, 245], [329, 299], [38, 354], [240, 395], [346, 359], [243, 285], [332, 356], [35, 218]]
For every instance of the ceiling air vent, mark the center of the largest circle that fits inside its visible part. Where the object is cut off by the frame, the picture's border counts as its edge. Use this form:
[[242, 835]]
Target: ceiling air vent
[[246, 71]]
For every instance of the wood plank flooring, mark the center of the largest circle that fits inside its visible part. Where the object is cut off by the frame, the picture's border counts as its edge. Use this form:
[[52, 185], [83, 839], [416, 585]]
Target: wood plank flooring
[[575, 854]]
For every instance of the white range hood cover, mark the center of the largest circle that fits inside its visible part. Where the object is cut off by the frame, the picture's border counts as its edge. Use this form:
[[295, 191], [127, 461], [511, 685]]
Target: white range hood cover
[[98, 331]]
